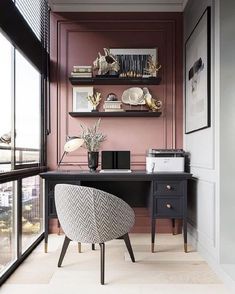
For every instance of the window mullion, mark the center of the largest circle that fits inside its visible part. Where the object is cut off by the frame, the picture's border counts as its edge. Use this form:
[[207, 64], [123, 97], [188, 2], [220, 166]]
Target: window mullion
[[13, 99], [19, 218]]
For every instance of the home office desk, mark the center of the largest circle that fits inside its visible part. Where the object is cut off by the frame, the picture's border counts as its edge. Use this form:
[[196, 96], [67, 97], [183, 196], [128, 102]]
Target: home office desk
[[165, 194]]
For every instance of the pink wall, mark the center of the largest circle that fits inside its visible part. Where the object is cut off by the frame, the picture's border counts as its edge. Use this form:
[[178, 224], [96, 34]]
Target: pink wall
[[76, 39]]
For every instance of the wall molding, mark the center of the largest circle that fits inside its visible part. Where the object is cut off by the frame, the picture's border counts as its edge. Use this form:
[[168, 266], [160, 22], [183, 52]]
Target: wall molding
[[118, 6], [169, 116]]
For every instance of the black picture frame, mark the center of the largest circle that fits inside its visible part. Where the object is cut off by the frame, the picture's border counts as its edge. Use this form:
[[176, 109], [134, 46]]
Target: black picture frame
[[198, 69]]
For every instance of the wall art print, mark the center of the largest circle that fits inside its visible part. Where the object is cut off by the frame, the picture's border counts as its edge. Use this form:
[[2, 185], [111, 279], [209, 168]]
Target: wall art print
[[197, 76]]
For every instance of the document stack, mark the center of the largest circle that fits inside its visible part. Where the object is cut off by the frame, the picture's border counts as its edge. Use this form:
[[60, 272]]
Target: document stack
[[82, 71], [113, 106]]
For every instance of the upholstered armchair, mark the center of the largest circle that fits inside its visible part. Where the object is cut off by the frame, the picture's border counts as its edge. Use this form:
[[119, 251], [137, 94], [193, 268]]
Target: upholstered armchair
[[88, 215]]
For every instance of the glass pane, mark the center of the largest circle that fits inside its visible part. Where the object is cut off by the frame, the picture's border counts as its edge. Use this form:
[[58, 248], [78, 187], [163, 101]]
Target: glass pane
[[27, 112], [5, 104], [32, 211], [7, 226]]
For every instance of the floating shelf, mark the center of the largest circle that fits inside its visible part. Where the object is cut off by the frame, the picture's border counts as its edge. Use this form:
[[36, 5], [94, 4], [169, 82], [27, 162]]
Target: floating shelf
[[116, 114], [114, 81]]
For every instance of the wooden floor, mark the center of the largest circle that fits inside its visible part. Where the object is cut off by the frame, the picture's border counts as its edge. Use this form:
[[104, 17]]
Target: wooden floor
[[167, 271]]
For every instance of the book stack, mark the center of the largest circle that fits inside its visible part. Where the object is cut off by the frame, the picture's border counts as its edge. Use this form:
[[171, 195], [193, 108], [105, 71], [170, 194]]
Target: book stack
[[113, 106], [82, 71]]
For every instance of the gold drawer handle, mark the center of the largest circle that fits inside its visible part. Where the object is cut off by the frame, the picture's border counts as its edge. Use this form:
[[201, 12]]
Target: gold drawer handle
[[168, 187], [168, 205]]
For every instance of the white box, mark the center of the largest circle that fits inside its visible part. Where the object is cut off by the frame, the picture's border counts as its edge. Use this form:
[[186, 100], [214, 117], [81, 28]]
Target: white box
[[164, 164]]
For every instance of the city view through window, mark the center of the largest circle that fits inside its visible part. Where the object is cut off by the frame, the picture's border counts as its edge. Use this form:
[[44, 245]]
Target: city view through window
[[31, 218], [7, 225], [20, 127], [26, 109]]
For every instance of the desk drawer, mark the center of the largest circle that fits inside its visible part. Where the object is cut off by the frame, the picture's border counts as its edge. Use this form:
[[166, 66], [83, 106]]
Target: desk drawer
[[168, 187], [171, 207]]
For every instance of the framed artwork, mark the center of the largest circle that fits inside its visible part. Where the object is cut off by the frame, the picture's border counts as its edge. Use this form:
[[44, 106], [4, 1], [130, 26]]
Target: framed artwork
[[197, 76], [135, 59], [80, 101]]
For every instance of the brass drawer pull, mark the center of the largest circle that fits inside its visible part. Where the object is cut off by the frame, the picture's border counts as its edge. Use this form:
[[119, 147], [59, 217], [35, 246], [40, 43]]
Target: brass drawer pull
[[168, 205], [168, 187]]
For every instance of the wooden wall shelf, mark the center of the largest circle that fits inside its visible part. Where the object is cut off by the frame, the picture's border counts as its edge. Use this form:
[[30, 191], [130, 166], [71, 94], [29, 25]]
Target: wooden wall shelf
[[116, 114], [114, 81]]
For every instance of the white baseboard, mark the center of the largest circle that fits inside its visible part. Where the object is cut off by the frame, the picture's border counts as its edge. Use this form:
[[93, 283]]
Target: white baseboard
[[210, 259]]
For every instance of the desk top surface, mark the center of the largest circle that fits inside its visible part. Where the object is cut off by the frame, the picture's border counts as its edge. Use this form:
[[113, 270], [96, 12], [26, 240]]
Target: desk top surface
[[134, 175]]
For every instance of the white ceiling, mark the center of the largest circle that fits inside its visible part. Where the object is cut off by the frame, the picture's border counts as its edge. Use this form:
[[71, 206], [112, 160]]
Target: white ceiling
[[117, 5]]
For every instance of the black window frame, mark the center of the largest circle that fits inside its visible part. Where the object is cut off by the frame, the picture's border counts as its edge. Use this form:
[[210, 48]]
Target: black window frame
[[15, 28]]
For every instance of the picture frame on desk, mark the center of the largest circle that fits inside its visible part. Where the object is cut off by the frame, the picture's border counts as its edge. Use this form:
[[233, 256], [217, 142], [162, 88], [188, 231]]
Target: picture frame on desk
[[197, 76], [80, 99]]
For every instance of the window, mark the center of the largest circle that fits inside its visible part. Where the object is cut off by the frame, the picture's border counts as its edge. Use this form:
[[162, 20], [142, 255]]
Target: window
[[23, 96], [7, 225], [27, 112], [32, 211], [5, 104], [24, 104]]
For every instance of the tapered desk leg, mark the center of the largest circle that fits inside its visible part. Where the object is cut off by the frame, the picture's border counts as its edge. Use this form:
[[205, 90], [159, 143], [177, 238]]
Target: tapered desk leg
[[58, 226], [185, 235], [153, 234], [46, 233], [45, 246], [173, 227]]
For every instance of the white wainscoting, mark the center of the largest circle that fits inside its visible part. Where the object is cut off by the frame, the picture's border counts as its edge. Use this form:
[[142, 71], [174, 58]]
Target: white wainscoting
[[206, 213], [202, 222]]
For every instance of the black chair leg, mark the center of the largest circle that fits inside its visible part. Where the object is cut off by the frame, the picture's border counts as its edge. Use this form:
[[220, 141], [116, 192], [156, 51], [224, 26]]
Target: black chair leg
[[128, 246], [93, 246], [102, 260], [63, 251]]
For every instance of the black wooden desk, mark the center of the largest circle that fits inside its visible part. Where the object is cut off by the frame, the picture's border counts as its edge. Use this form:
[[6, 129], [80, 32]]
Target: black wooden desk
[[165, 194]]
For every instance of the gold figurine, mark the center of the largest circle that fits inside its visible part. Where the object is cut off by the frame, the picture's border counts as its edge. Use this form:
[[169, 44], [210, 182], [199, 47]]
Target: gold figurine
[[95, 100], [153, 67], [154, 105]]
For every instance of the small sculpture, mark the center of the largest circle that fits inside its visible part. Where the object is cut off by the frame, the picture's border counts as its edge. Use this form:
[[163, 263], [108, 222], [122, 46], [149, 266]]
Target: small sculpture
[[153, 67], [95, 100], [111, 97], [133, 96], [106, 63], [154, 105]]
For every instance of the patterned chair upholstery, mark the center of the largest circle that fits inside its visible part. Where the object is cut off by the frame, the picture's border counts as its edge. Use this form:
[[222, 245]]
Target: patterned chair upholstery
[[89, 215]]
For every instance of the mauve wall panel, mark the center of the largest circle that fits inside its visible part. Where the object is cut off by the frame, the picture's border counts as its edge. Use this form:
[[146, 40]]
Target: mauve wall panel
[[76, 39]]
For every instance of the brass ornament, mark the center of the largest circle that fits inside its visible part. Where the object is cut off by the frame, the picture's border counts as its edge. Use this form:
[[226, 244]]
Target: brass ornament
[[153, 104], [95, 99], [153, 67]]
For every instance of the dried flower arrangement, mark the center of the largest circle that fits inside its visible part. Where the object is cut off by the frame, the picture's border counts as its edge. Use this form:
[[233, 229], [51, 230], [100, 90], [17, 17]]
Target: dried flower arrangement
[[92, 137]]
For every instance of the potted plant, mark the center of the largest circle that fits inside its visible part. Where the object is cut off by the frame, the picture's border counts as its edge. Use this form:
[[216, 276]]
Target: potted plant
[[92, 140]]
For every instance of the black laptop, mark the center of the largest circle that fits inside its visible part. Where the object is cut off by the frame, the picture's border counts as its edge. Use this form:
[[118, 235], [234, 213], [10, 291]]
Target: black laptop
[[115, 161]]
